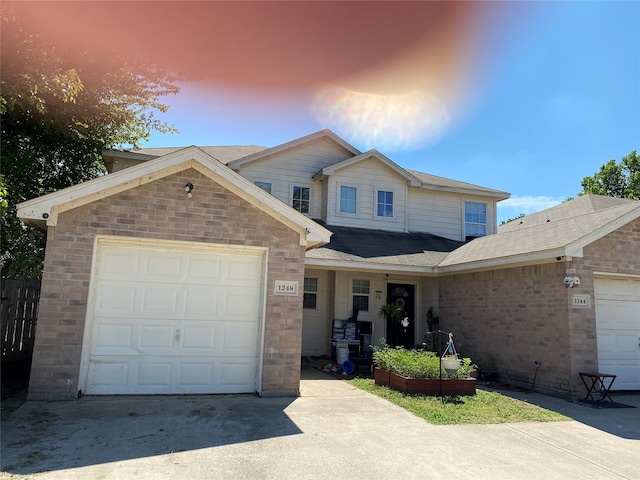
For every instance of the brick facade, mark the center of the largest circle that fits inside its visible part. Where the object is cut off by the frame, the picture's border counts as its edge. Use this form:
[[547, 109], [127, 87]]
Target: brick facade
[[161, 210], [524, 314]]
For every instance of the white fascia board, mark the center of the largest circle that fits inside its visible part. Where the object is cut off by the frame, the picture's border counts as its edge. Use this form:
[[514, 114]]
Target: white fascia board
[[366, 266], [236, 164], [467, 191], [332, 169], [545, 256]]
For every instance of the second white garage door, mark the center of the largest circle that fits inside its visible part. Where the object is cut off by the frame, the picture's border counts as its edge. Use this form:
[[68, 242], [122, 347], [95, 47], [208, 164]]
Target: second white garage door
[[618, 324], [174, 318]]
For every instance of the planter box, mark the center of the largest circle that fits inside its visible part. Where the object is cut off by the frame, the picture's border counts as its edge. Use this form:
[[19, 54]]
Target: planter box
[[381, 376], [430, 386]]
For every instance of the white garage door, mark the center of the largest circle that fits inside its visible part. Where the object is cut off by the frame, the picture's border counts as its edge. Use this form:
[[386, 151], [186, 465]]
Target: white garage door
[[618, 324], [174, 319]]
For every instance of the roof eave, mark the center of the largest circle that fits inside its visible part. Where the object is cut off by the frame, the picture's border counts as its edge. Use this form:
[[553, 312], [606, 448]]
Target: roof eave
[[544, 256], [367, 266], [467, 191]]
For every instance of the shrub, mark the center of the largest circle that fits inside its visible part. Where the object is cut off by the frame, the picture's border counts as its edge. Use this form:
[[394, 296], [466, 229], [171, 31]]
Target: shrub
[[416, 363]]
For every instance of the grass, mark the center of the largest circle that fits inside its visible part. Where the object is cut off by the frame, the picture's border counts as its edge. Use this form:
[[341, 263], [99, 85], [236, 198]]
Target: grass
[[482, 408]]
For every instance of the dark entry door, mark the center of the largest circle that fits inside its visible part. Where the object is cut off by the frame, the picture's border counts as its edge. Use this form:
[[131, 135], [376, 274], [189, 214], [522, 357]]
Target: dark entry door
[[398, 335]]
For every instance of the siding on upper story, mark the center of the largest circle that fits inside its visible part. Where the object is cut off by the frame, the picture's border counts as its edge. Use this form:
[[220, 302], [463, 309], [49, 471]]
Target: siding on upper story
[[436, 211], [368, 177], [442, 213], [296, 167]]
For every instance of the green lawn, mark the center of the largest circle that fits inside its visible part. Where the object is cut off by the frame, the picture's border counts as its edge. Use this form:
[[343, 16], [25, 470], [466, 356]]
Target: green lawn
[[482, 408]]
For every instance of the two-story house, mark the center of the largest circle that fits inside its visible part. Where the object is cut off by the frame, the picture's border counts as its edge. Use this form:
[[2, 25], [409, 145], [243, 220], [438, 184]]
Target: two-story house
[[214, 269], [390, 229]]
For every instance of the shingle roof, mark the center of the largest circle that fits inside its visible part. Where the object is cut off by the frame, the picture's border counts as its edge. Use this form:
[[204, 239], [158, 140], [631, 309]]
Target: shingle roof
[[573, 223], [578, 206], [384, 247], [448, 183], [224, 154]]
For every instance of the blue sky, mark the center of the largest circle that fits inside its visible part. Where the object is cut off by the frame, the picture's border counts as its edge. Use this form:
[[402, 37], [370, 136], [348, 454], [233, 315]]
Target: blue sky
[[545, 93]]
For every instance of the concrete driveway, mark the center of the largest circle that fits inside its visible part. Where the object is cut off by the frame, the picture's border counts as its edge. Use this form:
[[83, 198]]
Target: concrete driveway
[[332, 431]]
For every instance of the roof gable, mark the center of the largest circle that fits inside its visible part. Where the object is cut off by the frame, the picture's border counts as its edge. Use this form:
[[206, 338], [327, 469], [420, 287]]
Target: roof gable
[[43, 211], [371, 154], [326, 134]]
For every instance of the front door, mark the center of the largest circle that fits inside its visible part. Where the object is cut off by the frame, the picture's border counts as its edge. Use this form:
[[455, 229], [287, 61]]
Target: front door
[[399, 335]]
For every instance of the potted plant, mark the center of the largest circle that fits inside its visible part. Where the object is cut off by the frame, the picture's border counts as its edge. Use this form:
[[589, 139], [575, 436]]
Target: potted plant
[[451, 363]]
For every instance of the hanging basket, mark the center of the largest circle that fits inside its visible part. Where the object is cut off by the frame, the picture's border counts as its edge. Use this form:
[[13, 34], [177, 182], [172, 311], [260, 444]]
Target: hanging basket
[[451, 364], [449, 359]]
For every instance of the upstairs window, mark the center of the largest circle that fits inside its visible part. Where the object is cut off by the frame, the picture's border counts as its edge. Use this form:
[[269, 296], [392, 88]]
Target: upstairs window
[[310, 297], [385, 204], [348, 199], [360, 290], [266, 186], [301, 199], [475, 219]]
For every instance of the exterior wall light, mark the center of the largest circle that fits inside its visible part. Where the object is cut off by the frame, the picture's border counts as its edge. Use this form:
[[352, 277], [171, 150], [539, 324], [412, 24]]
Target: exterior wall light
[[189, 189]]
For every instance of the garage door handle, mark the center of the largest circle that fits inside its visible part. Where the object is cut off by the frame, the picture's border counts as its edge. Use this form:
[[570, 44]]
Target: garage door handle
[[177, 334]]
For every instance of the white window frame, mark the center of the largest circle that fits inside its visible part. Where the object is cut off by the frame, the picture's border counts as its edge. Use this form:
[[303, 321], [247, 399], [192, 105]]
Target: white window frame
[[352, 294], [293, 185], [339, 209], [465, 222], [393, 205], [310, 292]]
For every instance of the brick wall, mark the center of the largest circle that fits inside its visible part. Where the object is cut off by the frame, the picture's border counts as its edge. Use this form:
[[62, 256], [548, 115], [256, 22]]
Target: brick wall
[[161, 210], [524, 314]]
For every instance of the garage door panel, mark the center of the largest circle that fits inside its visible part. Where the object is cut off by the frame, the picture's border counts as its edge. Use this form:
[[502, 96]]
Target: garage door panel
[[203, 267], [153, 374], [114, 298], [174, 321], [159, 299], [200, 300], [108, 376], [628, 376], [114, 336], [196, 338], [119, 263], [156, 336], [162, 267], [238, 339], [617, 306], [236, 373]]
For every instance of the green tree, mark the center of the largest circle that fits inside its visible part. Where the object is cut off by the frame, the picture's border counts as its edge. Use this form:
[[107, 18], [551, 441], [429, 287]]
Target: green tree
[[58, 110], [614, 179]]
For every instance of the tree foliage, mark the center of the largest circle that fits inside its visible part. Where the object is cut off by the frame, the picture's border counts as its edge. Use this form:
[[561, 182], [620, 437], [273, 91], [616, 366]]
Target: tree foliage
[[59, 109], [614, 179]]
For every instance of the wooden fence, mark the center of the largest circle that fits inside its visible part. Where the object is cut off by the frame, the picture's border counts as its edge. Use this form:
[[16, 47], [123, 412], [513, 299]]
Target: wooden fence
[[19, 313]]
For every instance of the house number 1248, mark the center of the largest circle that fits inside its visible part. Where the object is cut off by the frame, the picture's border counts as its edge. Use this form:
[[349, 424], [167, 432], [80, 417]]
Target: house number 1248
[[285, 287]]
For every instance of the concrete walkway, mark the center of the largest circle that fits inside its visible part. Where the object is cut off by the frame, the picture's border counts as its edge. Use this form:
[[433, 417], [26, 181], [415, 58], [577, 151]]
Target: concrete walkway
[[332, 431]]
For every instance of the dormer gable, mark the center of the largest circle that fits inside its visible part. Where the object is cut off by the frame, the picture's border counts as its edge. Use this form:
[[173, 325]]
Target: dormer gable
[[371, 154], [299, 142]]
